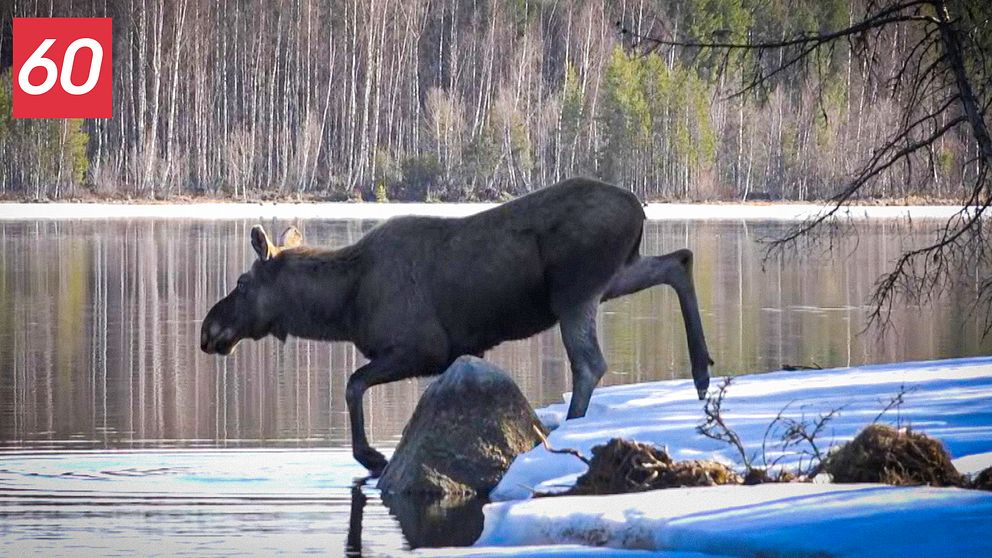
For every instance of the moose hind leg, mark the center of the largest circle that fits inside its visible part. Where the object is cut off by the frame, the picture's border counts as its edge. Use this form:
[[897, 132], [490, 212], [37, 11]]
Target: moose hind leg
[[379, 371], [578, 333], [674, 269]]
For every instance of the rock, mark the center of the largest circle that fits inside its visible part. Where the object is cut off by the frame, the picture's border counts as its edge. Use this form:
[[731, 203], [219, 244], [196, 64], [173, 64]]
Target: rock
[[883, 454], [466, 430]]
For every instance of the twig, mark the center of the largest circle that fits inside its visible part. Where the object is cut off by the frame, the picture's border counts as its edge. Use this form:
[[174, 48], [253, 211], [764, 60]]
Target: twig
[[567, 451], [895, 402], [715, 428]]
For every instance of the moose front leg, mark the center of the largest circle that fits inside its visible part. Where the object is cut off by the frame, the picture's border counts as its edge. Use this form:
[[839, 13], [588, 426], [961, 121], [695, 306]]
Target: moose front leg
[[379, 371], [673, 269], [578, 333]]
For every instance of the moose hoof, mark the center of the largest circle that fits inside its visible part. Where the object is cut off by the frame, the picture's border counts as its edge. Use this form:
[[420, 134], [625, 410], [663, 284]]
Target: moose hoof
[[372, 460]]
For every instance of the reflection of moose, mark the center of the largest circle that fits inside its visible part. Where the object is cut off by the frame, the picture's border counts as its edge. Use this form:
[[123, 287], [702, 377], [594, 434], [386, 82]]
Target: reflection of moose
[[416, 293]]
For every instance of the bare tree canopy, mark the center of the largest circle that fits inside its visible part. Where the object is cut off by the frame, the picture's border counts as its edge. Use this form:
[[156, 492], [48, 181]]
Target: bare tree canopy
[[942, 86], [482, 99]]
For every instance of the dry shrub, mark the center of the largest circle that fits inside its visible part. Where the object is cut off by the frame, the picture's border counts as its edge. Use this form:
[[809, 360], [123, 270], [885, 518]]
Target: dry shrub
[[622, 466], [762, 476], [983, 481], [883, 454]]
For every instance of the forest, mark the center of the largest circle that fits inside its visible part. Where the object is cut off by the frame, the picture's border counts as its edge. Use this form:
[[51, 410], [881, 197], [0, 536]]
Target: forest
[[464, 100]]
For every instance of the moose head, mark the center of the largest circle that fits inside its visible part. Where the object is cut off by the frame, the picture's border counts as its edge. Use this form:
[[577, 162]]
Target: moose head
[[253, 309]]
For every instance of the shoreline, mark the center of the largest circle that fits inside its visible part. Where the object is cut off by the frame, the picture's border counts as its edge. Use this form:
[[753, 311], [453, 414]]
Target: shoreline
[[19, 211], [819, 518]]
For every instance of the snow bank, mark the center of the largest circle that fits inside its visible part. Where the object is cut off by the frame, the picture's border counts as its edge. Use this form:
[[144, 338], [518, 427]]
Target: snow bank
[[569, 550], [380, 211], [973, 464], [768, 520], [951, 400]]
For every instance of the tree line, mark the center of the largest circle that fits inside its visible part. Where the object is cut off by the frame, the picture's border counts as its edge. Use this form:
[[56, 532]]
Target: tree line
[[458, 100]]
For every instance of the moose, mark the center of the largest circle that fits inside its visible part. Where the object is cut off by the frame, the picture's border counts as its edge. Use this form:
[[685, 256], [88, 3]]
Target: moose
[[415, 293]]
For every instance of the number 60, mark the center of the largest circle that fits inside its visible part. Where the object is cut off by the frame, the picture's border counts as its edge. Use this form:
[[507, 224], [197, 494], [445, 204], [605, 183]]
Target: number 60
[[37, 60]]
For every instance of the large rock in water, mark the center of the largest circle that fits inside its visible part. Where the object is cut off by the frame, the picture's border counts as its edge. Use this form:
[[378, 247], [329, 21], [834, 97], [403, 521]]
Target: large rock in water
[[466, 430]]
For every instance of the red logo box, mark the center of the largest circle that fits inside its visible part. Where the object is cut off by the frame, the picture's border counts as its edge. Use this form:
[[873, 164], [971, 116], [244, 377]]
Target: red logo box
[[62, 68]]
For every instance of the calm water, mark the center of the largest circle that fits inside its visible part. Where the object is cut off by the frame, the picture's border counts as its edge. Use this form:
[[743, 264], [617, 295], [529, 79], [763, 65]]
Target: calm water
[[117, 434]]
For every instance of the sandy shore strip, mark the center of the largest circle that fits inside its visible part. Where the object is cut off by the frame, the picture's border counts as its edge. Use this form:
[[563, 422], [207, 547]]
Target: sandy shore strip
[[381, 211]]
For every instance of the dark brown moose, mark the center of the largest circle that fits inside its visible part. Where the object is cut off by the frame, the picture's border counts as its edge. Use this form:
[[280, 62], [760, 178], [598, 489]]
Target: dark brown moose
[[415, 293]]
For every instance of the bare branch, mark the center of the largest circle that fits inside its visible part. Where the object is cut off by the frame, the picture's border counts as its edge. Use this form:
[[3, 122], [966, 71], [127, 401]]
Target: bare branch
[[874, 167], [566, 451], [895, 402], [714, 427], [878, 20]]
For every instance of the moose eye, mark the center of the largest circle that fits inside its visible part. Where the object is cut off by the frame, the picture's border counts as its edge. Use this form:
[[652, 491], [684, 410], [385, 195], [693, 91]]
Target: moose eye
[[242, 285]]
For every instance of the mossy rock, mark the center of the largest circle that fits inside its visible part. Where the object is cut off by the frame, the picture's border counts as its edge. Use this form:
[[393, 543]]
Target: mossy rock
[[469, 425], [883, 454]]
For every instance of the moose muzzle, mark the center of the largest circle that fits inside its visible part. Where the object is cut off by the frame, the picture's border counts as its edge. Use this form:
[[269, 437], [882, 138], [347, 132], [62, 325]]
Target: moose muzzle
[[217, 340]]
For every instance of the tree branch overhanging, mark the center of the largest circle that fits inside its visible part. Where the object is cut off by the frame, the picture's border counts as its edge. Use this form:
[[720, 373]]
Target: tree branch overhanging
[[943, 87]]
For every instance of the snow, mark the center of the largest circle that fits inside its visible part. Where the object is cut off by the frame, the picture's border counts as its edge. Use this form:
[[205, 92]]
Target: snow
[[569, 550], [973, 464], [951, 400], [380, 211], [766, 520]]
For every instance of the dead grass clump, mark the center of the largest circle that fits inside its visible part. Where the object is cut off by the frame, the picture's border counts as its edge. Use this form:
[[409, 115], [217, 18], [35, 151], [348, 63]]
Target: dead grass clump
[[883, 454], [622, 466], [699, 473], [983, 481], [762, 476]]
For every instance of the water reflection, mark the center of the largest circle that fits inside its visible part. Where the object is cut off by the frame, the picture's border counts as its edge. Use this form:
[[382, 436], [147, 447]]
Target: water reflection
[[99, 332], [353, 546], [425, 521], [431, 522]]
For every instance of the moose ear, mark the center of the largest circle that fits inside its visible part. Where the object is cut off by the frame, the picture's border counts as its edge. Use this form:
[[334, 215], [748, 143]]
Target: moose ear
[[291, 238], [260, 243]]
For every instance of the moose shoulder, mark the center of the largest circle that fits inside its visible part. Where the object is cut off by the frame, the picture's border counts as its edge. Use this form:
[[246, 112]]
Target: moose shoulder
[[415, 293]]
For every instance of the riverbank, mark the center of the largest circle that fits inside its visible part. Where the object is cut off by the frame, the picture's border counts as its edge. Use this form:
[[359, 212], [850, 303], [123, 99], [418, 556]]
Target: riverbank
[[950, 400], [379, 211]]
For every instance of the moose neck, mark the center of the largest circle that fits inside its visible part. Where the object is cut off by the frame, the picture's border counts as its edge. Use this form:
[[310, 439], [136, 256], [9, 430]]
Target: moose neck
[[319, 288]]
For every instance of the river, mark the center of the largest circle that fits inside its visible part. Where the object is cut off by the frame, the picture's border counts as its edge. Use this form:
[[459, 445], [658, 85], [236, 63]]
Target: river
[[118, 436]]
